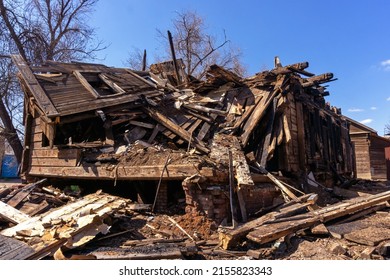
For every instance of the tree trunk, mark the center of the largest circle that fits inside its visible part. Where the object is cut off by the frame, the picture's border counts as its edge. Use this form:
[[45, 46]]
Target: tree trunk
[[10, 132]]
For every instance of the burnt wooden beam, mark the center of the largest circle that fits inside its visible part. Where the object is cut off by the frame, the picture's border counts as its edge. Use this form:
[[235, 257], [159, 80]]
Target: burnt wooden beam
[[176, 129]]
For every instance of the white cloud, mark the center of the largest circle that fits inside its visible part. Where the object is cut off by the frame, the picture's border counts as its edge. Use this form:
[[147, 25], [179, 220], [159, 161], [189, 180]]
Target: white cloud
[[373, 108], [386, 65], [366, 121], [356, 109], [388, 99]]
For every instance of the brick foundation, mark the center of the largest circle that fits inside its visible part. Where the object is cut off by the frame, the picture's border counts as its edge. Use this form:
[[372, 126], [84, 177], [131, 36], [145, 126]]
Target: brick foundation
[[213, 201]]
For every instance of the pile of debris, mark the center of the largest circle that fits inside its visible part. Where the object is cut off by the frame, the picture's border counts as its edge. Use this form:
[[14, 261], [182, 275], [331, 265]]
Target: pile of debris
[[103, 226]]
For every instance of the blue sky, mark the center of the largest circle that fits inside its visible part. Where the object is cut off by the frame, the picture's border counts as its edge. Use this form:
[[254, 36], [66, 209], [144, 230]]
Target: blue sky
[[351, 39]]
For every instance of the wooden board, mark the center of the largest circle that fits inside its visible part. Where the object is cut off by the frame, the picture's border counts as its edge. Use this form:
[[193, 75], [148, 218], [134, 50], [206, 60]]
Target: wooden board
[[175, 172], [370, 236], [32, 84], [339, 230], [10, 214], [12, 249]]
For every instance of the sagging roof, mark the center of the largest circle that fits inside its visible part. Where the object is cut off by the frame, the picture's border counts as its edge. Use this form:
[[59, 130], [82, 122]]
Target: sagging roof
[[62, 89]]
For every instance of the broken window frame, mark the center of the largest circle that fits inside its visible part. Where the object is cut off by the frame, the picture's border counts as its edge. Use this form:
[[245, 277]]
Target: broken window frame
[[117, 89]]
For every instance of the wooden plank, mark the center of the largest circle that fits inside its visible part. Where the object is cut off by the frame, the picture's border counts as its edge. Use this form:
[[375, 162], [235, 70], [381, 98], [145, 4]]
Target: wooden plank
[[32, 209], [41, 161], [166, 253], [86, 84], [370, 236], [260, 110], [75, 223], [229, 239], [33, 86], [156, 129], [175, 172], [12, 249], [10, 214], [142, 124], [23, 193], [155, 114], [56, 153], [301, 135], [279, 184], [272, 232]]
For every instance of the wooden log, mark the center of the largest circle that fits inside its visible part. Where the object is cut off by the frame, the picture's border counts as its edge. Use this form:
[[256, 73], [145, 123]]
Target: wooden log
[[231, 238], [153, 113], [290, 68], [316, 80], [272, 232]]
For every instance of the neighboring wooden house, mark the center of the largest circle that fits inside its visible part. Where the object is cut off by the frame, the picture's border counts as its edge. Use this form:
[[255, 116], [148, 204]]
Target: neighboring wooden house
[[90, 121], [369, 147]]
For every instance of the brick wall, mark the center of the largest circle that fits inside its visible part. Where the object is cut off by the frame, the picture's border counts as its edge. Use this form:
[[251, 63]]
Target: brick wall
[[213, 201]]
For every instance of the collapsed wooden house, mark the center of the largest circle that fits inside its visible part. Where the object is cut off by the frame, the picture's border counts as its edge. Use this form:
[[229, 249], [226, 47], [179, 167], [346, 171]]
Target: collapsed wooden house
[[89, 121]]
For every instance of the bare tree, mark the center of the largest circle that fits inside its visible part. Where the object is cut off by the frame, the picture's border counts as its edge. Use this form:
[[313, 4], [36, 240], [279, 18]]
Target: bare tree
[[137, 60], [40, 30], [387, 129], [196, 47]]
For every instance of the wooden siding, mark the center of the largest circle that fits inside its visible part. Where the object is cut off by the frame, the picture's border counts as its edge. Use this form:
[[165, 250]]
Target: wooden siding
[[378, 158]]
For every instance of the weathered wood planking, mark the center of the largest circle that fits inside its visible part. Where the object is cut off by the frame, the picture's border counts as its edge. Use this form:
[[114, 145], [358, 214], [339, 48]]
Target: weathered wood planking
[[10, 214], [175, 172], [33, 86], [49, 161], [12, 249]]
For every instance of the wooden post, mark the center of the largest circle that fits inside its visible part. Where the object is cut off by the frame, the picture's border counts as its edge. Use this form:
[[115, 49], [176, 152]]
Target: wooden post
[[174, 57], [231, 190], [144, 61]]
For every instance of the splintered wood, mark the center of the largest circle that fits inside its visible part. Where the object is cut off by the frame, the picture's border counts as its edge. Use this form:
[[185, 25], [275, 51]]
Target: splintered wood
[[274, 225], [69, 226]]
